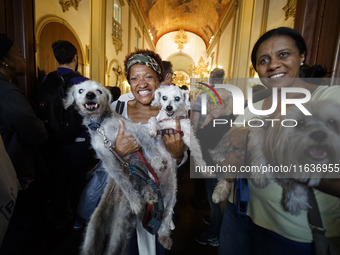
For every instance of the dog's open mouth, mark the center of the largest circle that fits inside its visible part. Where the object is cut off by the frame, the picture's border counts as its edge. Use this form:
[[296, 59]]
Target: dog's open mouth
[[91, 106], [170, 113], [318, 153]]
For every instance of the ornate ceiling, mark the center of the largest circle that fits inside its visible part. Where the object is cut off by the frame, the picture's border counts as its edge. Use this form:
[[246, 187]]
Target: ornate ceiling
[[201, 17]]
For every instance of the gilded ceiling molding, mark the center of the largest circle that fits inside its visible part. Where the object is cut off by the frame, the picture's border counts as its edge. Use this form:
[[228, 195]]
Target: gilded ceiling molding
[[181, 38], [190, 69], [290, 9], [117, 35], [181, 79], [66, 4], [201, 68], [230, 14], [137, 33], [141, 21], [117, 73], [117, 43], [212, 57]]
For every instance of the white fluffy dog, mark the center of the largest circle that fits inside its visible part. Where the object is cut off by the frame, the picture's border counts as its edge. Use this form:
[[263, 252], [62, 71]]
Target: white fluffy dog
[[175, 104], [114, 217], [309, 150]]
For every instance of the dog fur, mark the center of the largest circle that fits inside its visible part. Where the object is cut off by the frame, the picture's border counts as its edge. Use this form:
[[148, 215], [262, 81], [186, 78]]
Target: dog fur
[[175, 103], [223, 187], [121, 202], [315, 140]]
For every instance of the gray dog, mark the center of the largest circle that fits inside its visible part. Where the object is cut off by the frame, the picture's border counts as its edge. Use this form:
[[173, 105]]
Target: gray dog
[[310, 151], [307, 148], [114, 218]]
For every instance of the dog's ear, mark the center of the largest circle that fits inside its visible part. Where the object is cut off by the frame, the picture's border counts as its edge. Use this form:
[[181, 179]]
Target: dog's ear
[[156, 98], [108, 95], [108, 98], [69, 99], [187, 105]]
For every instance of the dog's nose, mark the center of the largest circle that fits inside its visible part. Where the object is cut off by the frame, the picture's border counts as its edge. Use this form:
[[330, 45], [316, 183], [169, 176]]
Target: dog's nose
[[90, 95], [169, 108], [318, 136]]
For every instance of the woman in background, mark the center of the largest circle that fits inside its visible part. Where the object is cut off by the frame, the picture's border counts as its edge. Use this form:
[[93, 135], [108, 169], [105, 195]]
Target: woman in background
[[267, 228]]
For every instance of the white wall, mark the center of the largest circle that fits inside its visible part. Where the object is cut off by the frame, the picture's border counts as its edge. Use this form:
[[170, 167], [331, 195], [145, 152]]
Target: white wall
[[224, 58], [276, 15]]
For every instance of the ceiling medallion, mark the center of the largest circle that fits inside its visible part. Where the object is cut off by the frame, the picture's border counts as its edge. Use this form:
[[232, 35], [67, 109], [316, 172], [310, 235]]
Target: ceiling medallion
[[201, 68], [66, 4], [181, 38], [290, 9]]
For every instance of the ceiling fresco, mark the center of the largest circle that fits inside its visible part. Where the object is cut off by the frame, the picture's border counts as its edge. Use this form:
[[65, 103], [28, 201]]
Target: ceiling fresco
[[201, 17]]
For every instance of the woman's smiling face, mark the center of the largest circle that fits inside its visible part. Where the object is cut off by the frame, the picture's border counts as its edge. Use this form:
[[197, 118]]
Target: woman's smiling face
[[143, 81], [278, 62]]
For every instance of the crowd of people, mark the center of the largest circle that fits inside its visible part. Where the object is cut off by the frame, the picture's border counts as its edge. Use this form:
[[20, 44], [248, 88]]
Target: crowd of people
[[36, 149]]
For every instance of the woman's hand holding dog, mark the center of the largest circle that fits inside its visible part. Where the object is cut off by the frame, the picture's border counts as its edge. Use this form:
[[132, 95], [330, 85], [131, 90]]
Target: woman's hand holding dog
[[174, 143], [125, 144]]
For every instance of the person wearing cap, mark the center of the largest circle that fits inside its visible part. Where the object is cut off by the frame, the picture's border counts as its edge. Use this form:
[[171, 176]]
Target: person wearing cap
[[22, 134]]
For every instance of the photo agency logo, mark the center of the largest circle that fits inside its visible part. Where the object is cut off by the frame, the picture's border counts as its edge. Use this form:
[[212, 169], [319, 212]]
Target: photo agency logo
[[238, 102]]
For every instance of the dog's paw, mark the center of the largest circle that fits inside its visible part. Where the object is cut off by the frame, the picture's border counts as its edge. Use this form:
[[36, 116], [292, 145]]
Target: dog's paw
[[294, 208], [152, 132], [152, 124], [313, 182], [296, 200], [221, 191], [150, 197], [216, 197], [166, 241]]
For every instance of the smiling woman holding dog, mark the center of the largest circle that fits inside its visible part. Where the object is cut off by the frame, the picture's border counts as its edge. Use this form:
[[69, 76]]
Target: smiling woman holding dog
[[268, 228], [144, 72]]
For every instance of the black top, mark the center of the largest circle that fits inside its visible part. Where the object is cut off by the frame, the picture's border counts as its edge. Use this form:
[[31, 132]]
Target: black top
[[20, 128]]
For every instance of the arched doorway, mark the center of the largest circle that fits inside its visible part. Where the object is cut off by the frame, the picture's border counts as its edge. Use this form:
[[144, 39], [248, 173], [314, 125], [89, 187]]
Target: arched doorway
[[49, 33]]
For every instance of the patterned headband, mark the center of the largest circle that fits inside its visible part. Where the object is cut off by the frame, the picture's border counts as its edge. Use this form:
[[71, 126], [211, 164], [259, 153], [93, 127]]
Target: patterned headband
[[142, 59]]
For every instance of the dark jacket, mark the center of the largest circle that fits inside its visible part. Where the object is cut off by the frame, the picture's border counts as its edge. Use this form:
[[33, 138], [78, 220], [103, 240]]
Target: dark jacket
[[20, 128]]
